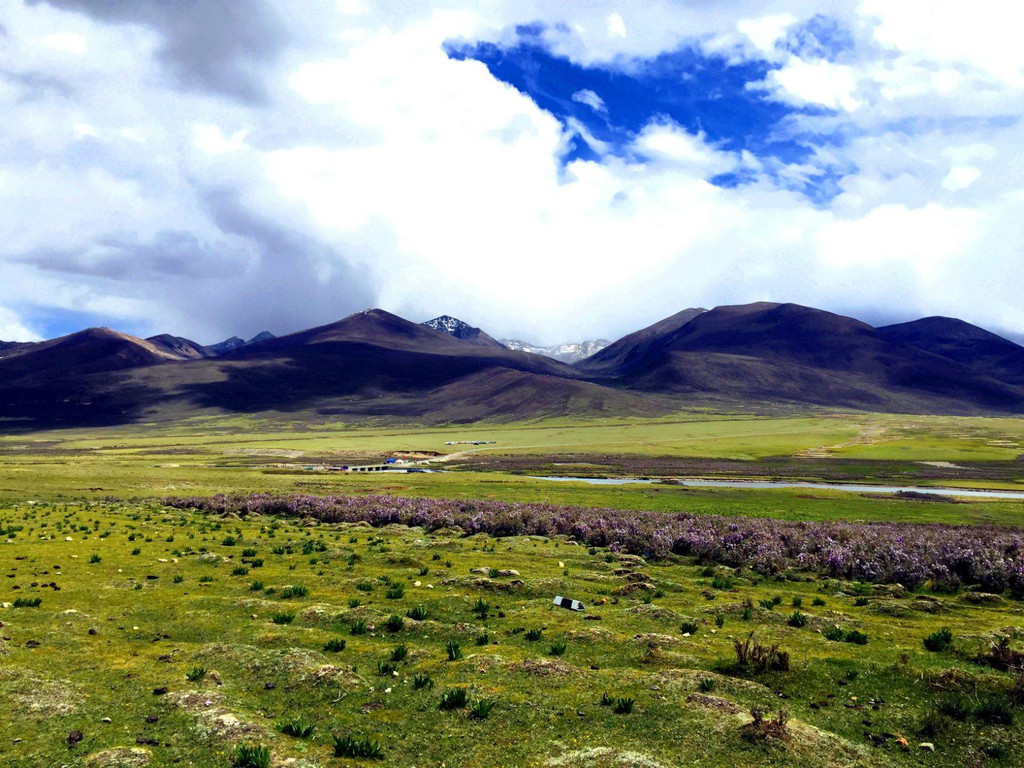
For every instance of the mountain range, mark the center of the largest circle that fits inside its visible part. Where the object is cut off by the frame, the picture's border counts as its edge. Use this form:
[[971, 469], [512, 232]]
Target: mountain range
[[376, 365], [566, 353]]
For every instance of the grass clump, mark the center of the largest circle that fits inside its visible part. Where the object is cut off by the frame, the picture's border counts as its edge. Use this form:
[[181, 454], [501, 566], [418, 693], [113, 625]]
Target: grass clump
[[419, 613], [689, 627], [939, 640], [395, 592], [294, 590], [250, 756], [454, 650], [385, 668], [297, 728], [27, 602], [357, 747], [421, 681], [706, 684], [797, 619], [454, 698], [623, 706], [399, 653], [195, 674], [282, 617], [557, 648], [256, 586], [481, 709], [334, 645], [358, 627], [533, 635], [752, 655]]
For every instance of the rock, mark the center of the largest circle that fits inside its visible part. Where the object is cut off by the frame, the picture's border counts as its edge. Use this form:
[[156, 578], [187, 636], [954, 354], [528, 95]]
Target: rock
[[119, 757], [927, 746], [159, 691], [106, 720], [73, 738]]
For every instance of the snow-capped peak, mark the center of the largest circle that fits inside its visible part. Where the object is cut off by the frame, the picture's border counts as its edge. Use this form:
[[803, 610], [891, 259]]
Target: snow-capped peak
[[566, 353]]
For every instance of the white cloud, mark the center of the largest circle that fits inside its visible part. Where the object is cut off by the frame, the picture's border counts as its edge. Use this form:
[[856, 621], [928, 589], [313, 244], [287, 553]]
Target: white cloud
[[815, 82], [384, 169], [591, 99], [66, 42], [765, 31], [616, 26]]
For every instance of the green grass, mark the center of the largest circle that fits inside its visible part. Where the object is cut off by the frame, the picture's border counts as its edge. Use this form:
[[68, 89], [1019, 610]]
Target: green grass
[[270, 650], [159, 636]]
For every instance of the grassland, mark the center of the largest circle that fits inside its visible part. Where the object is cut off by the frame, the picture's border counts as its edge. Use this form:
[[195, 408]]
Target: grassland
[[148, 596], [171, 592]]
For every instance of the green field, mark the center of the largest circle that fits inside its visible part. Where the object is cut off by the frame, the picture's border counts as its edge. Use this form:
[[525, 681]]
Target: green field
[[148, 595]]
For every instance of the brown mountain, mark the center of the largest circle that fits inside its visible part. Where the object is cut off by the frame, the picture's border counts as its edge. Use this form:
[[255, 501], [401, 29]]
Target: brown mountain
[[621, 353], [179, 347], [768, 351], [982, 351], [463, 331]]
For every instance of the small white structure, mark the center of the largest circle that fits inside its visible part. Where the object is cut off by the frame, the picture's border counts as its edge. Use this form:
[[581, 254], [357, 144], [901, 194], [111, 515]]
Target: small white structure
[[570, 605]]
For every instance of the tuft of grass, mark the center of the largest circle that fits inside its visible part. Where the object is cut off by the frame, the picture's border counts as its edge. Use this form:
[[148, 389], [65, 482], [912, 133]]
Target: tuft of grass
[[706, 684], [835, 634], [481, 709], [395, 592], [195, 674], [454, 650], [797, 619], [623, 706], [250, 756], [419, 613], [940, 640], [256, 586], [689, 627], [27, 602], [385, 668], [358, 627], [394, 623], [399, 653], [481, 607], [334, 645], [421, 681], [94, 558], [454, 698], [557, 648], [856, 637], [240, 570], [297, 728], [294, 590], [606, 700], [354, 602], [533, 635], [483, 639], [818, 602], [282, 617], [357, 747], [178, 578]]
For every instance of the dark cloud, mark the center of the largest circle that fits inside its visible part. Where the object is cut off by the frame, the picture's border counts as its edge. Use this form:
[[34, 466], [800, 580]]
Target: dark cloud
[[171, 254], [36, 85], [294, 281], [221, 46]]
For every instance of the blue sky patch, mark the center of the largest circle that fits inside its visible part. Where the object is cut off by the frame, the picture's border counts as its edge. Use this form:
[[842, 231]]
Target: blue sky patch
[[700, 92]]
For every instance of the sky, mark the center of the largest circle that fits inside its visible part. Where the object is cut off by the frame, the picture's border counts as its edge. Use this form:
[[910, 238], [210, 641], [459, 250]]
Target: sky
[[546, 171]]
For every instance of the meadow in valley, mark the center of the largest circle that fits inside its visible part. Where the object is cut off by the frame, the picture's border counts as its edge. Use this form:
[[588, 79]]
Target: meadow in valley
[[205, 595]]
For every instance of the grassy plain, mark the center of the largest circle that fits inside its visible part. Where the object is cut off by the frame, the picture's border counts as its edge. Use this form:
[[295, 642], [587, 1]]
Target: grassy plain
[[168, 595], [173, 593]]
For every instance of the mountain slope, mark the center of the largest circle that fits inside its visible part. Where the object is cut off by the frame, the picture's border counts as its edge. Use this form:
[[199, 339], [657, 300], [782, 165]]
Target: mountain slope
[[463, 331], [621, 352], [235, 343], [565, 353], [179, 347], [980, 350], [770, 351], [93, 350]]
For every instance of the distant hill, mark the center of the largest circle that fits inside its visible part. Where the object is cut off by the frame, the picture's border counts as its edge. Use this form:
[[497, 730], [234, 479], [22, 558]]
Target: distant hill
[[179, 347], [567, 353], [980, 350], [235, 342], [769, 351], [618, 355], [462, 331], [376, 365]]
